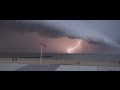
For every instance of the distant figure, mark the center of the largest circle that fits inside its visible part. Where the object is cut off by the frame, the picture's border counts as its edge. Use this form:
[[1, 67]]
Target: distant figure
[[16, 59], [78, 63], [12, 59]]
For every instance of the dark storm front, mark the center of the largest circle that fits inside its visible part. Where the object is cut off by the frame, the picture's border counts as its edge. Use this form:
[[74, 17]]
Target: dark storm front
[[62, 56]]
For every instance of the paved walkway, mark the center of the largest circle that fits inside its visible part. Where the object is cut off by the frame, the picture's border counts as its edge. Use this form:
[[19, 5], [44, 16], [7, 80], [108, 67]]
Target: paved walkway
[[76, 68], [35, 67], [39, 68], [11, 67]]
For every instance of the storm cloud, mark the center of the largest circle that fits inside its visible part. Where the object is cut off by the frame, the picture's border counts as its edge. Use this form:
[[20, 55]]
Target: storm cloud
[[28, 26], [97, 32]]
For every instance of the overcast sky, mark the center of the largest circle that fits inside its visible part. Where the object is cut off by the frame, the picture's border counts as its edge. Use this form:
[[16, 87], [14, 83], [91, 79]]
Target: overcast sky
[[21, 36]]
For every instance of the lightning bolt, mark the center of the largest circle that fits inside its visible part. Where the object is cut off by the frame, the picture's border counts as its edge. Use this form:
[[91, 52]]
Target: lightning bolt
[[71, 50]]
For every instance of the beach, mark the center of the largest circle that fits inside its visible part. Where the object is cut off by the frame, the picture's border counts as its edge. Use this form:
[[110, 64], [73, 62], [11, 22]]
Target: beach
[[60, 62]]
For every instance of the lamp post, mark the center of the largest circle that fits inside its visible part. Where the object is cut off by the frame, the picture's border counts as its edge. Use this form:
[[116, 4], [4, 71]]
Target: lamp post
[[41, 46], [41, 54]]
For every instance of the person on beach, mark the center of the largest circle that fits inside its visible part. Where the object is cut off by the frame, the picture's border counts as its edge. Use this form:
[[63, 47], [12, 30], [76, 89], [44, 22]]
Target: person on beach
[[16, 59], [12, 59]]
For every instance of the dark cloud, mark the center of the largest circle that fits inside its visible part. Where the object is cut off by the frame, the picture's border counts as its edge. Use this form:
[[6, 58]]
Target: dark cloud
[[20, 26], [101, 32]]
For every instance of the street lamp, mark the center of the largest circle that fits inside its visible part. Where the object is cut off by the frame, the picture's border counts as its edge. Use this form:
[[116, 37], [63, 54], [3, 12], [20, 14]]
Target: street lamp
[[41, 46]]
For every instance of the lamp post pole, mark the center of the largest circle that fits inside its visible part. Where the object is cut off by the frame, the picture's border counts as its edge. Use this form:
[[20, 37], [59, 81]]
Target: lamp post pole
[[41, 54]]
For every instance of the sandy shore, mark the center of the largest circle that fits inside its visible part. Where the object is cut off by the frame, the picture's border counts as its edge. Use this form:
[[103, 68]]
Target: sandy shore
[[54, 61]]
